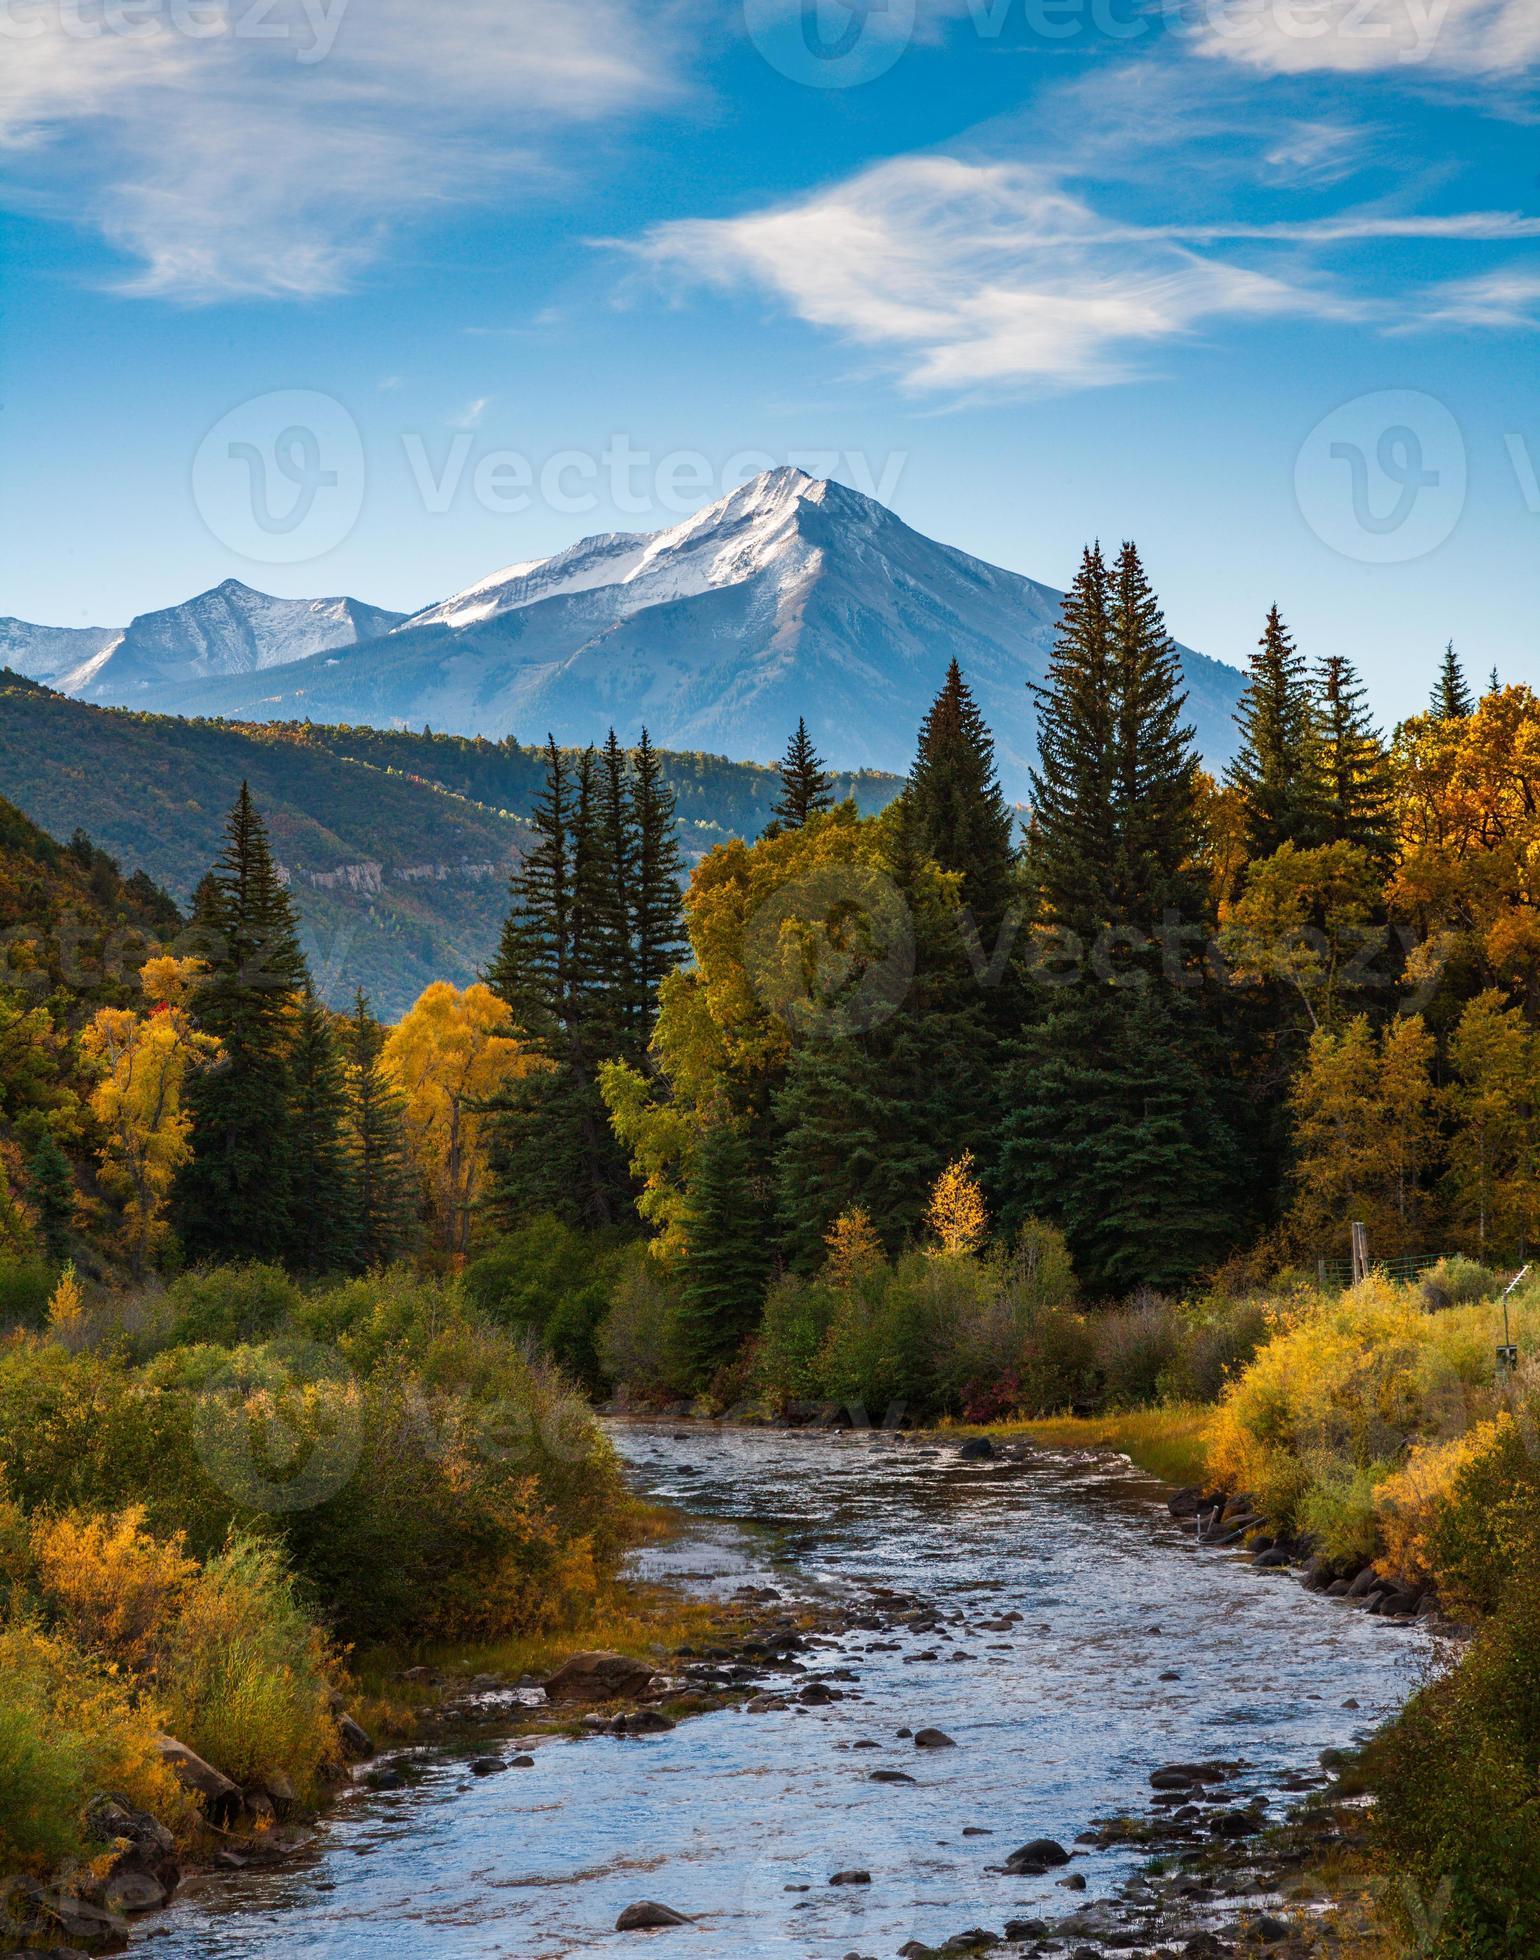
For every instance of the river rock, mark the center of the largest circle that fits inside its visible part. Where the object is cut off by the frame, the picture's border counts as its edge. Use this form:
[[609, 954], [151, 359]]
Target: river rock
[[1041, 1855], [851, 1878], [648, 1917], [356, 1741], [977, 1449], [137, 1840], [488, 1766], [601, 1676], [644, 1721], [933, 1739], [218, 1795], [889, 1776]]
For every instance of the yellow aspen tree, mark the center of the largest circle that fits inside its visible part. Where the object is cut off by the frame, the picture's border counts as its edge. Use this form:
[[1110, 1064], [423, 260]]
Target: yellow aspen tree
[[450, 1054], [144, 1062], [854, 1248], [956, 1215], [1495, 1142], [67, 1309]]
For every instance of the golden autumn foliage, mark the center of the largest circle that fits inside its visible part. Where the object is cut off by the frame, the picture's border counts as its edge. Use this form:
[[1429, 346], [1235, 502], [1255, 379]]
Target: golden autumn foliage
[[1468, 822], [1365, 1134], [957, 1217], [450, 1054], [143, 1062], [67, 1308], [785, 934], [854, 1248]]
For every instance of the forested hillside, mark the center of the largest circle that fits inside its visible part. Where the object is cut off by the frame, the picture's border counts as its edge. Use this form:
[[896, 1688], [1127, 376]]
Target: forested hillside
[[397, 847]]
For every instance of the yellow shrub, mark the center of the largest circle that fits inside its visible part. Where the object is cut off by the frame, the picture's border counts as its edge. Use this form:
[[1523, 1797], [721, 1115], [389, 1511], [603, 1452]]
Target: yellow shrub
[[246, 1675], [1411, 1504], [110, 1584], [1349, 1383], [75, 1727]]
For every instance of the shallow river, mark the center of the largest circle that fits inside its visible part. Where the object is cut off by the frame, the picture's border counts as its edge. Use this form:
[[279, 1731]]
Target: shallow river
[[1058, 1721]]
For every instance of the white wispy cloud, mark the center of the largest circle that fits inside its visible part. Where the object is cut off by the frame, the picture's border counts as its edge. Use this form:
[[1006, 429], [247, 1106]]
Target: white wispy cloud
[[1491, 39], [971, 274], [472, 415], [276, 154], [1504, 299]]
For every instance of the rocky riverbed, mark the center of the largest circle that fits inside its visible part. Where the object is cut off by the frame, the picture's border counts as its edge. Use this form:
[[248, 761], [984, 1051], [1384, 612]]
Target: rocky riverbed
[[961, 1702]]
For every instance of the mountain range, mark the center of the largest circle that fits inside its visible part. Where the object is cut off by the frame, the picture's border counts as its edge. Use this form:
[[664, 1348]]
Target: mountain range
[[790, 596]]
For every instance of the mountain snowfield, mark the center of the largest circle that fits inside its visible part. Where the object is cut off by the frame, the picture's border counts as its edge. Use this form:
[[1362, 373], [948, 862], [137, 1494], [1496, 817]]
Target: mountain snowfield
[[789, 596], [231, 630]]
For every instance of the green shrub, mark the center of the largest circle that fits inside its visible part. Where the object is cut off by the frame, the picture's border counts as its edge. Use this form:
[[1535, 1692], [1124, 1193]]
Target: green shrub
[[1457, 1282], [1040, 1272], [638, 1343], [26, 1286], [1135, 1350], [1058, 1363], [547, 1280], [795, 1326], [1217, 1339], [1457, 1783], [1337, 1511], [227, 1305], [43, 1774]]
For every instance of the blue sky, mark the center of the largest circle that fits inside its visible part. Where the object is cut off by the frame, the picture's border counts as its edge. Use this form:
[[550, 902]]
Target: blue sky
[[1256, 282]]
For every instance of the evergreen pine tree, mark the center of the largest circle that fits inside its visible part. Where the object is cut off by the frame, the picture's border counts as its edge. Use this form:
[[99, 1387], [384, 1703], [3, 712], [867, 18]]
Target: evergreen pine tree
[[1494, 685], [806, 789], [954, 809], [1355, 769], [727, 1265], [323, 1206], [658, 912], [51, 1190], [572, 997], [613, 948], [233, 1195], [375, 1140], [1451, 696], [1276, 768], [1154, 809], [1072, 841]]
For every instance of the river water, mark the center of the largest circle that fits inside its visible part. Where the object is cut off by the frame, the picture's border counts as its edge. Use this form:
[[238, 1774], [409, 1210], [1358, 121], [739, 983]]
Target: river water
[[1059, 1719]]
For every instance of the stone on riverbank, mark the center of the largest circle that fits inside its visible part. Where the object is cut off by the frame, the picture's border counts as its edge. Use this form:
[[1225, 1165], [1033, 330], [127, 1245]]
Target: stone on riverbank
[[599, 1676], [648, 1917], [1041, 1855]]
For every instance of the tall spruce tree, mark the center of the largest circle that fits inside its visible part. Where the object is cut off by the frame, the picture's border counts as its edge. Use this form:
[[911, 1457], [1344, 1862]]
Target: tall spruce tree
[[568, 969], [1154, 804], [1072, 841], [323, 1204], [727, 1265], [233, 1196], [383, 1216], [614, 936], [1356, 787], [954, 810], [1101, 1092], [51, 1190], [806, 788], [658, 912], [1276, 769], [1451, 693]]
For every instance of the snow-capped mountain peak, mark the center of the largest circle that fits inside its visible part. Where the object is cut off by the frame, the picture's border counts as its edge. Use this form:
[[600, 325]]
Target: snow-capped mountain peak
[[723, 544]]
